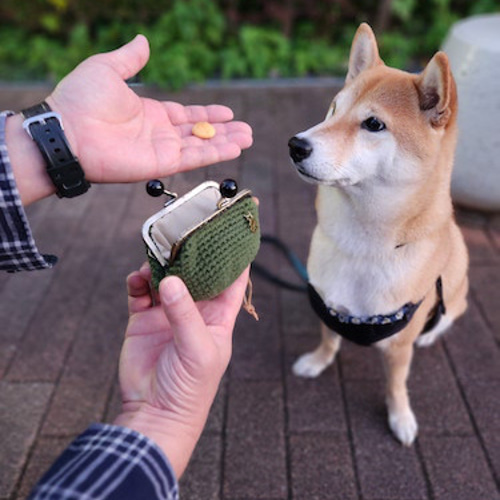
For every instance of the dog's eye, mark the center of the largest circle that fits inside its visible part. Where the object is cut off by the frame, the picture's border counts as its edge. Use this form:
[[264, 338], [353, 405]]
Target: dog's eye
[[373, 124], [331, 110]]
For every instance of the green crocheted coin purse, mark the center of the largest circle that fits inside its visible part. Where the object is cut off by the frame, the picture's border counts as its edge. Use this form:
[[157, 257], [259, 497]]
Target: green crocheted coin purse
[[204, 237]]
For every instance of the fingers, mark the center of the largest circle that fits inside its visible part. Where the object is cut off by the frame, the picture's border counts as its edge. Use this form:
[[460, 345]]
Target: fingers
[[189, 329], [224, 308], [214, 113], [139, 296], [129, 59], [230, 139], [194, 157]]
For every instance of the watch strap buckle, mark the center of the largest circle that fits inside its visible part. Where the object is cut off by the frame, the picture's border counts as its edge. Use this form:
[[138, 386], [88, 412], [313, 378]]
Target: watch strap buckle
[[45, 127], [41, 120]]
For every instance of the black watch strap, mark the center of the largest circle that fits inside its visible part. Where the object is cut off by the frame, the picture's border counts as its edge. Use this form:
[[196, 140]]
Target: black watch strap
[[45, 128]]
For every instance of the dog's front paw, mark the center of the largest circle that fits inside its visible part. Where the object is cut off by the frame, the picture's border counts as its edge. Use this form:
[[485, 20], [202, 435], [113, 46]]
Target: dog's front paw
[[404, 426], [311, 365]]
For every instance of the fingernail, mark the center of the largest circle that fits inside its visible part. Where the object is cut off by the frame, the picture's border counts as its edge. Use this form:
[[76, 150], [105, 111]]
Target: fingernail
[[172, 290]]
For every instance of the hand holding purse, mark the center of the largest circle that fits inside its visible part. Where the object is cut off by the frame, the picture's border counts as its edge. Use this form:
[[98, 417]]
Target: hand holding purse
[[206, 237]]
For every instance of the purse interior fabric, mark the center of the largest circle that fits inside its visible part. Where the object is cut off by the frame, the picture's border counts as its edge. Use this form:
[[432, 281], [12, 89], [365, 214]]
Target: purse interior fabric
[[181, 217]]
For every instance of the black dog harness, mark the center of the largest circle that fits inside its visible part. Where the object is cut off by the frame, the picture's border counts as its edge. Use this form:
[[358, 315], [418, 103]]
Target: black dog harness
[[367, 330]]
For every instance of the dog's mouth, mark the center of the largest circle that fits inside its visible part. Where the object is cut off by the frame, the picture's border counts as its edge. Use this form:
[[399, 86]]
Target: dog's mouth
[[306, 176]]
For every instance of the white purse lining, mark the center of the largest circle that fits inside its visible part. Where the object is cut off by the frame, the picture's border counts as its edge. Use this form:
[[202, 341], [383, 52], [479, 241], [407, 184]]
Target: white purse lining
[[180, 219]]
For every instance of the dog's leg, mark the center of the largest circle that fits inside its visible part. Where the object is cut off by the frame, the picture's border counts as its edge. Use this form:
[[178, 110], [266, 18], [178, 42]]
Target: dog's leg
[[455, 307], [402, 421], [313, 363], [440, 329]]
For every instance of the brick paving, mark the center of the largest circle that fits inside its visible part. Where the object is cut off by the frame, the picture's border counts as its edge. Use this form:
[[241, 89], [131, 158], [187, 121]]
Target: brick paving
[[270, 435]]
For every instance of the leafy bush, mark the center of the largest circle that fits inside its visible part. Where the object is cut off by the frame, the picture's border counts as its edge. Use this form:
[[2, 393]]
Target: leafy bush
[[192, 40]]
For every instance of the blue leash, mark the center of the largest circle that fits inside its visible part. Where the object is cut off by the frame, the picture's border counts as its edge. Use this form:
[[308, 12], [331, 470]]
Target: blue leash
[[297, 265]]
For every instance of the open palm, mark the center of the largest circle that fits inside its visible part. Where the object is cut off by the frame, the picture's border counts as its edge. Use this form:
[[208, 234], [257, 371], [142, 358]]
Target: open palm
[[119, 136]]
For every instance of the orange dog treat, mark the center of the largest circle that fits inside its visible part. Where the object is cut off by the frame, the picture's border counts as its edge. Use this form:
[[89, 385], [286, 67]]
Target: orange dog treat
[[203, 130]]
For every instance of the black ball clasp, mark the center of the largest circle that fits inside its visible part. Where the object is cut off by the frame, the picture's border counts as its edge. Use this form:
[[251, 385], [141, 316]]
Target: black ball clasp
[[155, 188], [228, 188]]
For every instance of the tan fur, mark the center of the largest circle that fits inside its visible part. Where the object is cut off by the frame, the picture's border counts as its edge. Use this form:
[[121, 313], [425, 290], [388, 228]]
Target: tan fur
[[386, 230]]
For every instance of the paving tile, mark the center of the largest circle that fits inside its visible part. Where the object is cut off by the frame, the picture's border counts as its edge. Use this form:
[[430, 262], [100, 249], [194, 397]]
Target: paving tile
[[22, 407], [15, 318], [435, 395], [366, 406], [256, 105], [297, 316], [226, 170], [4, 279], [202, 478], [457, 468], [45, 453], [114, 403], [90, 371], [322, 467], [257, 175], [183, 182], [483, 397], [255, 463], [491, 441], [55, 225], [484, 282], [217, 418], [18, 97], [313, 405], [472, 348], [386, 469], [481, 249], [257, 344], [38, 212], [493, 228], [51, 332], [360, 362]]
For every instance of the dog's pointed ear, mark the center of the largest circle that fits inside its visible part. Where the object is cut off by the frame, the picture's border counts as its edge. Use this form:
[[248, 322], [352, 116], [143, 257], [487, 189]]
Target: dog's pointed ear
[[364, 52], [437, 91]]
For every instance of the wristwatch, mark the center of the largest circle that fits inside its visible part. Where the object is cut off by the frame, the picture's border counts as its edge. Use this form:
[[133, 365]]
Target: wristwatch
[[45, 127]]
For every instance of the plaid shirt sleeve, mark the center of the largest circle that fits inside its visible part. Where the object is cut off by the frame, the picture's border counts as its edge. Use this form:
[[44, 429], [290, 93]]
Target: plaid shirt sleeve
[[18, 251], [109, 462]]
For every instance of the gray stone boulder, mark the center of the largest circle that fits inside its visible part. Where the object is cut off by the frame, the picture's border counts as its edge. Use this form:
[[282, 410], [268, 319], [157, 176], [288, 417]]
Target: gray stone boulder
[[473, 47]]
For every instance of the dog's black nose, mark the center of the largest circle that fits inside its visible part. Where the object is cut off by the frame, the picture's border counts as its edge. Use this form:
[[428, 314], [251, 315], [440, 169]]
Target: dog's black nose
[[299, 148]]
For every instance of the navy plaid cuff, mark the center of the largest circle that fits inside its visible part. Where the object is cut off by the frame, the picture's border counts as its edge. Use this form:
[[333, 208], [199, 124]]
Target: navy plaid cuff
[[108, 462], [18, 251]]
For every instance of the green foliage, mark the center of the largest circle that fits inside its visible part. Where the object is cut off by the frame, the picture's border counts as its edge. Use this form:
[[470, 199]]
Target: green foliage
[[403, 9], [266, 52], [193, 40], [184, 43]]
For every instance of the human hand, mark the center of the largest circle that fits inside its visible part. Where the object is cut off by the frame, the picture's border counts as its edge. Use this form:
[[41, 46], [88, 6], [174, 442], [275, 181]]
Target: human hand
[[173, 358], [121, 137]]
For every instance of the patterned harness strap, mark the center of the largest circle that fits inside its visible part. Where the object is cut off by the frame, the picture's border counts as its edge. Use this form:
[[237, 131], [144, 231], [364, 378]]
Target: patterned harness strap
[[367, 330]]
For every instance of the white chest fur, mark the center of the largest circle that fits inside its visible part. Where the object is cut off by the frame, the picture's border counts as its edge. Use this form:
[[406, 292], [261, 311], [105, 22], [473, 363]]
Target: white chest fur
[[354, 262]]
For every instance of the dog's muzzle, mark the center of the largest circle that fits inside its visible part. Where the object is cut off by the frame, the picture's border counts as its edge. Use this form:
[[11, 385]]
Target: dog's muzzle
[[300, 149]]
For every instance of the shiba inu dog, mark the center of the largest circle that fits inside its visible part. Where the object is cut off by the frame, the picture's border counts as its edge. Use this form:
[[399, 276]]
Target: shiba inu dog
[[387, 260]]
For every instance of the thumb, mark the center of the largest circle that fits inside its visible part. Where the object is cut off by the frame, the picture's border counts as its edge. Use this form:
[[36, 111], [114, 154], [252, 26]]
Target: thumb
[[188, 327], [130, 58]]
